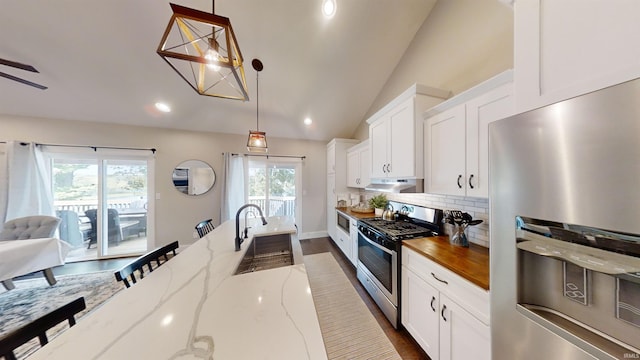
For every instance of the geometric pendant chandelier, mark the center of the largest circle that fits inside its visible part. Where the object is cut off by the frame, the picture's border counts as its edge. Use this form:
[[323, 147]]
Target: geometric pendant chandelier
[[202, 48]]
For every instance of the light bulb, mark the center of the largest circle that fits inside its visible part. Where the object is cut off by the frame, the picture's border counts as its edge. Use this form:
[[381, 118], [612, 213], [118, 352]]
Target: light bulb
[[212, 58], [329, 8]]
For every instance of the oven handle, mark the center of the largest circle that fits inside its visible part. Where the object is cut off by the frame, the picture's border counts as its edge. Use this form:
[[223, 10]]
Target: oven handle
[[390, 252]]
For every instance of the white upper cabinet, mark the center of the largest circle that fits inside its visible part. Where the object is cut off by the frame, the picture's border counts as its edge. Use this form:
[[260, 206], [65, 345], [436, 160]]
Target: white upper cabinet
[[445, 140], [395, 134], [567, 48], [457, 139], [358, 166]]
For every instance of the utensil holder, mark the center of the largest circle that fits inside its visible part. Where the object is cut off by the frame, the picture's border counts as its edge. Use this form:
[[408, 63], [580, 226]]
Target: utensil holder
[[459, 238]]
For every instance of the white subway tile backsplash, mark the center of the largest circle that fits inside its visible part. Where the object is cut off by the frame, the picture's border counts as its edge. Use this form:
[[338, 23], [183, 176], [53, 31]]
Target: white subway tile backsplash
[[478, 208]]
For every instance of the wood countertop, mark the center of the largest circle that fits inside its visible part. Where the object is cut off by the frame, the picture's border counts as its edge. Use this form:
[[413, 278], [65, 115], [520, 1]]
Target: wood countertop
[[355, 215], [471, 263]]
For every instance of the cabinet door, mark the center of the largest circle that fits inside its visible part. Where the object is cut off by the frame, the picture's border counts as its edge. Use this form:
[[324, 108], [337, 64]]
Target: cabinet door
[[379, 139], [420, 312], [494, 105], [462, 336], [402, 146], [553, 61], [331, 159], [353, 169], [331, 205], [365, 168], [445, 152]]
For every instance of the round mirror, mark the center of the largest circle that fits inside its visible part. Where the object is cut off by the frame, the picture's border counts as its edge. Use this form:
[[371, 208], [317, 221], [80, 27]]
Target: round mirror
[[193, 177]]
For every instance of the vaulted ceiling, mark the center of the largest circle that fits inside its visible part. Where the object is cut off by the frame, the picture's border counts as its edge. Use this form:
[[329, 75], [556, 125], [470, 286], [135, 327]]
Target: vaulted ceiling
[[99, 62]]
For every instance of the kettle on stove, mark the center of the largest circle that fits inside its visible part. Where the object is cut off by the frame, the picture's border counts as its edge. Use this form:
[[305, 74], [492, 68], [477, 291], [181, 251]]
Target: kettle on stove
[[388, 213]]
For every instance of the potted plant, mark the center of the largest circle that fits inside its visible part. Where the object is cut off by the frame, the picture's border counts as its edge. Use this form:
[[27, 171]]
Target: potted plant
[[378, 202]]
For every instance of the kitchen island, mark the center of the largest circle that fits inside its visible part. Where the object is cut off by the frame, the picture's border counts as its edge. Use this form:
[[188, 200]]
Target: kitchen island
[[193, 307]]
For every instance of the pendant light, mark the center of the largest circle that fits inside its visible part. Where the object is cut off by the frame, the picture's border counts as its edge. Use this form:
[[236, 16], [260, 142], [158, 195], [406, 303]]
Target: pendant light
[[257, 141], [202, 48]]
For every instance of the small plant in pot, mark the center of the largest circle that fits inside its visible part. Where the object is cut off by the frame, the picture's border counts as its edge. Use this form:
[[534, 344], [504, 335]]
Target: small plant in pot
[[378, 202]]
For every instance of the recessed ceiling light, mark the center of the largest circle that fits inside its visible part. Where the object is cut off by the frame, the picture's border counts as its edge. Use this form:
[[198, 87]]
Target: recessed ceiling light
[[329, 8], [307, 121], [163, 107]]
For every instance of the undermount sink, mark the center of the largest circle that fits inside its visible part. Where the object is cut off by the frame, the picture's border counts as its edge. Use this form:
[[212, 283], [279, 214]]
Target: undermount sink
[[268, 252]]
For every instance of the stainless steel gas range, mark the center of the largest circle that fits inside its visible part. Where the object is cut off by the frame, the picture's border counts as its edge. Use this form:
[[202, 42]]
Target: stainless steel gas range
[[380, 243]]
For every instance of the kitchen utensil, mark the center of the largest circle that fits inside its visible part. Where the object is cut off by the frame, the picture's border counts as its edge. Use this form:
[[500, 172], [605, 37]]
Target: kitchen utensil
[[388, 213], [474, 222]]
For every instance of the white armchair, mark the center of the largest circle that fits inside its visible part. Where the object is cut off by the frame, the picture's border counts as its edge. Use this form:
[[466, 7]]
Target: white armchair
[[29, 227], [27, 245]]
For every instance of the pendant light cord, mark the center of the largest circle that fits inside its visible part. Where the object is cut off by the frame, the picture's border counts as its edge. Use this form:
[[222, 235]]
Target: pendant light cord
[[257, 100]]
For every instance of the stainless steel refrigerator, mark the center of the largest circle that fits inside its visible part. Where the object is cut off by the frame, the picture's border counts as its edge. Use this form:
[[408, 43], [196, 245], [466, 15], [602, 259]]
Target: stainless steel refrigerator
[[565, 219]]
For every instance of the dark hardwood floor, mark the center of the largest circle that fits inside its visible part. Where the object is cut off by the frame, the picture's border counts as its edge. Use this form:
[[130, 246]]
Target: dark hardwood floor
[[403, 342]]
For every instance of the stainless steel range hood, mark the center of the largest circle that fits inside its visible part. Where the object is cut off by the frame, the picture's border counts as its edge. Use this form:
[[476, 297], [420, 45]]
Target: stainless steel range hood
[[396, 185]]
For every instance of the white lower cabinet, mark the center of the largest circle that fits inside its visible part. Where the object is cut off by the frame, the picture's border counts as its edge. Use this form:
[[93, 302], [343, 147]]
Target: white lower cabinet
[[343, 240], [446, 315], [420, 312]]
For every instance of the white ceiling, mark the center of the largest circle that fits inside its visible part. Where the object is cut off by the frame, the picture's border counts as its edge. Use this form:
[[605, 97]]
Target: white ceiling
[[99, 60]]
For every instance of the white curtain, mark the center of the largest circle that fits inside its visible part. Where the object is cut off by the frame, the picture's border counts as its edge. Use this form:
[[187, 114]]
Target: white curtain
[[233, 189], [29, 185], [4, 180]]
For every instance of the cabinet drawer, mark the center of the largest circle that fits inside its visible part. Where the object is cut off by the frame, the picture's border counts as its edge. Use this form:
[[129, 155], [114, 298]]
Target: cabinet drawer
[[471, 297], [344, 242]]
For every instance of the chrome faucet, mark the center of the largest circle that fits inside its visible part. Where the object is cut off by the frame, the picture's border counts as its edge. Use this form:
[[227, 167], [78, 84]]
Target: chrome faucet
[[238, 239]]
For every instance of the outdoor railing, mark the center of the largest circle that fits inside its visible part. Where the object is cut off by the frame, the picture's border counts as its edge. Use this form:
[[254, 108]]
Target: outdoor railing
[[80, 206], [278, 205]]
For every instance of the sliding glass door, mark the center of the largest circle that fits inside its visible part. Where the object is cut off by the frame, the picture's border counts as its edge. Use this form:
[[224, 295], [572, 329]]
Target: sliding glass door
[[275, 187], [102, 200]]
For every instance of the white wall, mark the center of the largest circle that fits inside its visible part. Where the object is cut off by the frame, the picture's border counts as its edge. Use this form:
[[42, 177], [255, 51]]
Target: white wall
[[461, 44], [177, 213]]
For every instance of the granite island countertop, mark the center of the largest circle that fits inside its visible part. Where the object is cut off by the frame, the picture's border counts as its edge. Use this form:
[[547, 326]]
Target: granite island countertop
[[193, 307]]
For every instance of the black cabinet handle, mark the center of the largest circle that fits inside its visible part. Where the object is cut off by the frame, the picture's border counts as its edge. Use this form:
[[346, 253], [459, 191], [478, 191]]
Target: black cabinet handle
[[470, 177], [444, 307], [433, 298], [437, 278], [384, 168], [388, 167], [459, 185]]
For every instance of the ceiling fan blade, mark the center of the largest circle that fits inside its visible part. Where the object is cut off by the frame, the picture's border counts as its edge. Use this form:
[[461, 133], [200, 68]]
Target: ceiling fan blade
[[18, 65], [23, 81]]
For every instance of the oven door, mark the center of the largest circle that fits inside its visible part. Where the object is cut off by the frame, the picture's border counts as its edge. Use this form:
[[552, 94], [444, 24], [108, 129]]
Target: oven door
[[380, 264]]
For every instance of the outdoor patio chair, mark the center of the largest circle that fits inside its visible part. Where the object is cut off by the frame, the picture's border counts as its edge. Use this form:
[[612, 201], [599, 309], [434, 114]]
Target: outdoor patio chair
[[70, 227], [38, 328], [159, 256], [113, 226], [204, 227]]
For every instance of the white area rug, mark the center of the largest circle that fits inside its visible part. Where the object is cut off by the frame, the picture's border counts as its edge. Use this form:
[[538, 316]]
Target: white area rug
[[348, 328], [33, 298]]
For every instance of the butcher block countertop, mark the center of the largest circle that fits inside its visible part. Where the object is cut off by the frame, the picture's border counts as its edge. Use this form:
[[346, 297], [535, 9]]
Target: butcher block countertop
[[471, 263], [356, 215]]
